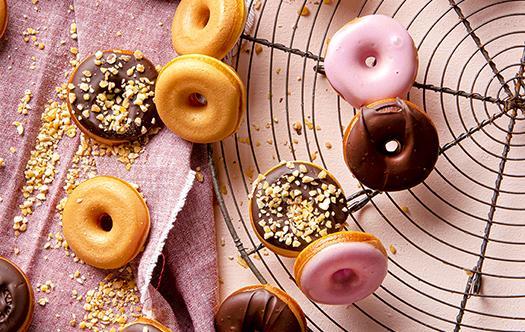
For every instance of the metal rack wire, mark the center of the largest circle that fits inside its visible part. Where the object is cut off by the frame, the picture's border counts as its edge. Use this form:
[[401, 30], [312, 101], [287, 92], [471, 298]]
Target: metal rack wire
[[501, 112]]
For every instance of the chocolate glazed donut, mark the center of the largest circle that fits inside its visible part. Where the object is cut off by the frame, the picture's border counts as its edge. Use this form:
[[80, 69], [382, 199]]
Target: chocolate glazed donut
[[259, 308], [16, 298], [391, 145]]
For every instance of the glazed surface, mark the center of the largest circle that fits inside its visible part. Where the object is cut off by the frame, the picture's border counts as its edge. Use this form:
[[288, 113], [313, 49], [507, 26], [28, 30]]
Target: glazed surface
[[304, 203], [386, 121], [15, 298], [256, 310], [343, 273], [382, 38], [111, 95]]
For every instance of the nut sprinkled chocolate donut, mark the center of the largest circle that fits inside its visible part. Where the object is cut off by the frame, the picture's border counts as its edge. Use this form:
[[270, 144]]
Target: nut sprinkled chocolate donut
[[295, 203], [16, 298], [391, 145], [260, 308], [110, 96]]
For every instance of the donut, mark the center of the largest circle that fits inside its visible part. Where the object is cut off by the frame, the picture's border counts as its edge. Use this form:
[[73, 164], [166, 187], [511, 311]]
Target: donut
[[200, 98], [106, 222], [391, 145], [371, 58], [144, 324], [110, 96], [341, 268], [295, 203], [210, 27], [17, 301], [3, 17], [260, 308]]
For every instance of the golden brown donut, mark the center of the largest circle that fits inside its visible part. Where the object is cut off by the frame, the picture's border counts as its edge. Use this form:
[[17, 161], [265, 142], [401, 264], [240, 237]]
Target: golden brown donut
[[289, 204], [200, 98], [110, 96], [260, 308], [210, 27], [391, 145], [106, 222], [3, 17], [144, 324], [17, 300]]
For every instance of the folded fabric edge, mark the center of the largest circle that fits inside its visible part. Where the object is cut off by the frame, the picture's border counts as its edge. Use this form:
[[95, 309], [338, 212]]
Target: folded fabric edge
[[145, 297]]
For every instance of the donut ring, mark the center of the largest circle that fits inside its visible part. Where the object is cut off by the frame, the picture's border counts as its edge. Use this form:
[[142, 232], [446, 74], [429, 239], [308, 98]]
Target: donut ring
[[409, 131], [341, 268], [144, 324], [106, 222], [260, 308], [200, 98], [371, 58], [289, 204], [3, 17], [17, 300], [210, 27], [110, 96]]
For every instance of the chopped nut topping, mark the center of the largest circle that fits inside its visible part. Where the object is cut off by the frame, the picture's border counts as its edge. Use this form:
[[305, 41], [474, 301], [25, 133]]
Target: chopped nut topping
[[298, 207], [113, 102]]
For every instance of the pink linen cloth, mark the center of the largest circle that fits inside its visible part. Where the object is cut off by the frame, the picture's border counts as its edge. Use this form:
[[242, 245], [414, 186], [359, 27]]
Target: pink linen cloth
[[180, 254]]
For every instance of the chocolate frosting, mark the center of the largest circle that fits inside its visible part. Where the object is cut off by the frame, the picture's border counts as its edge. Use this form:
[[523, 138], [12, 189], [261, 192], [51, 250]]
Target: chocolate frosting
[[256, 310], [15, 298], [140, 327], [126, 63], [333, 223], [393, 120]]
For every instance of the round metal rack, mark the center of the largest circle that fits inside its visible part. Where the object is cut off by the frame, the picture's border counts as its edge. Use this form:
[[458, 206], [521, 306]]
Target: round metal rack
[[464, 222]]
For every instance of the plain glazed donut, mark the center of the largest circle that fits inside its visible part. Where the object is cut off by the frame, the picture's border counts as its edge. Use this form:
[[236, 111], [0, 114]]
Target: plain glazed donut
[[260, 308], [200, 98], [110, 96], [144, 324], [341, 268], [210, 27], [294, 204], [3, 17], [371, 58], [17, 300], [391, 145], [106, 222]]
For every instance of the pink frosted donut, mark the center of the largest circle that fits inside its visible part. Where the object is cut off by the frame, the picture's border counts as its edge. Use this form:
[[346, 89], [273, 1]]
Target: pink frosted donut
[[371, 58], [341, 268]]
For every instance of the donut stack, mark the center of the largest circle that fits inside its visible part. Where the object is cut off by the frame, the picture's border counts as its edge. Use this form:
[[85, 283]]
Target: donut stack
[[390, 144], [199, 97]]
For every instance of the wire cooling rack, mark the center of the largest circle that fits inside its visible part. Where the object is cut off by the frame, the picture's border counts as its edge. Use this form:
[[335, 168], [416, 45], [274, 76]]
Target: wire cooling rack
[[456, 243]]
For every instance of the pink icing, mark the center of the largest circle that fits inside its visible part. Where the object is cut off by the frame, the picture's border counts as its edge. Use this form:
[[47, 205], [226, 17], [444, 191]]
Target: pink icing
[[375, 36], [343, 273]]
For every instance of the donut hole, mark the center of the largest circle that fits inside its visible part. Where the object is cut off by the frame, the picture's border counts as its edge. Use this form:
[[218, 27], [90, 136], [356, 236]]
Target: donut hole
[[105, 222], [371, 61], [392, 146], [344, 277], [203, 17], [197, 100]]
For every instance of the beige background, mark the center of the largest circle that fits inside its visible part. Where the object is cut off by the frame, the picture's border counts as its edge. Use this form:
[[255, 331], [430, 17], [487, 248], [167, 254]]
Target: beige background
[[441, 234]]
